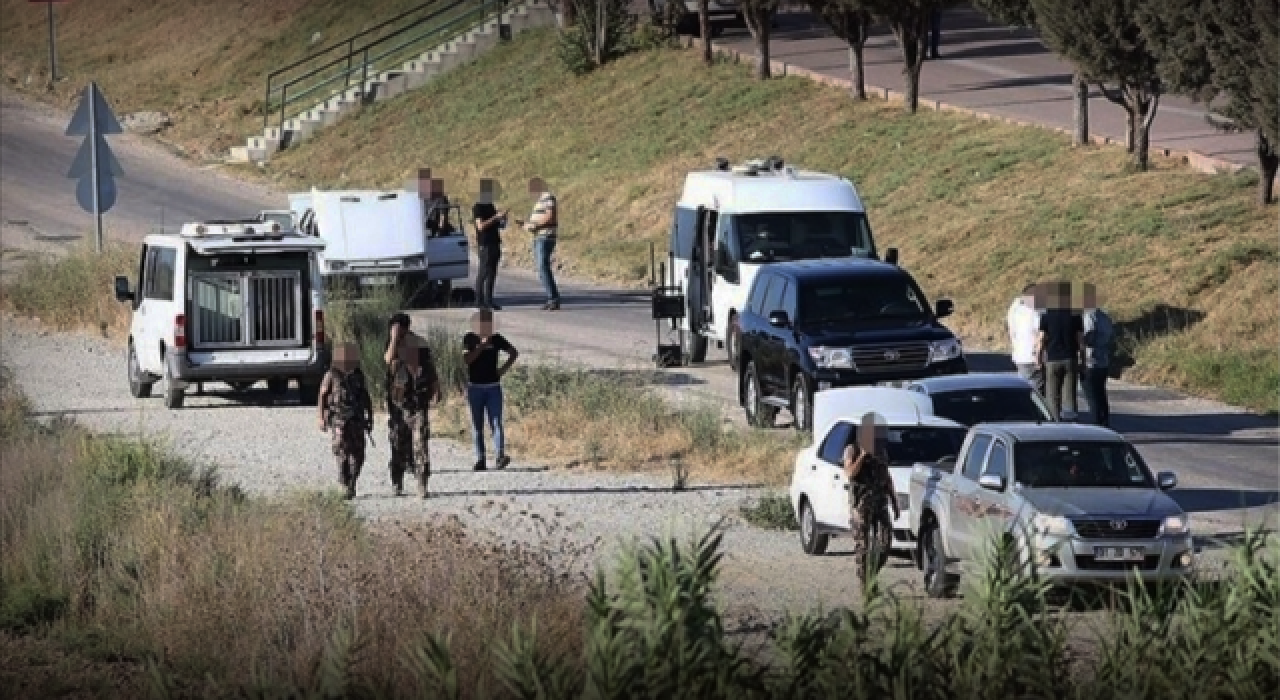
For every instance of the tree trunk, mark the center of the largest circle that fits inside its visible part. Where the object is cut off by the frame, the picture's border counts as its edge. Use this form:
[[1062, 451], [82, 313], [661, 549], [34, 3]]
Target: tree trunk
[[1080, 109], [653, 12], [1144, 115], [857, 70], [704, 29], [568, 13], [764, 70], [911, 39], [1268, 164]]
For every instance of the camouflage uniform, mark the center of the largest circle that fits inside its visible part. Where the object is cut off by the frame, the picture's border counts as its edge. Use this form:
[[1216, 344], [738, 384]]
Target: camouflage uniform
[[869, 499], [348, 409], [409, 429]]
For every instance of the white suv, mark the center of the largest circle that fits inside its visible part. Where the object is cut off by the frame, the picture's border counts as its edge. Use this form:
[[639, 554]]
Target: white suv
[[227, 301]]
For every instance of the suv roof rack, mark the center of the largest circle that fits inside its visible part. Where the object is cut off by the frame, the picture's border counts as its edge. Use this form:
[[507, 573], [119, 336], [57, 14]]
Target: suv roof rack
[[237, 228]]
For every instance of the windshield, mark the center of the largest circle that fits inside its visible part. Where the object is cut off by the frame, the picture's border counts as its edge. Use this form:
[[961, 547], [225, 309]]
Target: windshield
[[780, 236], [1080, 464], [974, 406], [908, 446], [868, 297]]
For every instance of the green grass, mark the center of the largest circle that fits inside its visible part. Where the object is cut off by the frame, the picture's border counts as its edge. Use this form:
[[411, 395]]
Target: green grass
[[771, 512]]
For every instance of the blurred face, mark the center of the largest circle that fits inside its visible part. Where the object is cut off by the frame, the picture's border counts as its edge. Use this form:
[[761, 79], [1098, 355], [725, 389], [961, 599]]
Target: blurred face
[[409, 350], [537, 186], [873, 434], [346, 357], [482, 324]]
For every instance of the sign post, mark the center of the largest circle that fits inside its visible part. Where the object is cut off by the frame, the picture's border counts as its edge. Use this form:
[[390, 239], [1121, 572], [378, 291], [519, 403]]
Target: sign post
[[94, 166], [53, 43]]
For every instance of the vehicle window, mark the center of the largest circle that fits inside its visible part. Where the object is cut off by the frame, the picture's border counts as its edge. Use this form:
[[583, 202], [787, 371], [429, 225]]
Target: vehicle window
[[1080, 464], [756, 303], [977, 453], [867, 297], [909, 446], [802, 235], [160, 270], [773, 300], [832, 449], [974, 406], [998, 461]]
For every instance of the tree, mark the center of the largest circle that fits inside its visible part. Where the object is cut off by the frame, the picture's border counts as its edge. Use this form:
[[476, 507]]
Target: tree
[[1020, 13], [909, 22], [1228, 49], [600, 33], [704, 29], [1102, 40], [758, 15], [851, 21]]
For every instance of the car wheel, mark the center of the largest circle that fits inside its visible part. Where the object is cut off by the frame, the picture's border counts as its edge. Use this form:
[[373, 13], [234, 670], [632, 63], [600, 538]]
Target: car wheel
[[309, 393], [139, 387], [814, 543], [173, 396], [698, 348], [759, 413], [802, 404], [733, 343], [278, 386], [937, 582]]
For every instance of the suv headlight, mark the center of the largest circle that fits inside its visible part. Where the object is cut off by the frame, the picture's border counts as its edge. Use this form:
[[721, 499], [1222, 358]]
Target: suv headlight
[[415, 261], [336, 266], [831, 358], [1052, 526], [1175, 525], [943, 350]]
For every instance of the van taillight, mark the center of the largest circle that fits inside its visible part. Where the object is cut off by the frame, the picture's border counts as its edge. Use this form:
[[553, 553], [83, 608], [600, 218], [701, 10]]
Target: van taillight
[[319, 327], [180, 331]]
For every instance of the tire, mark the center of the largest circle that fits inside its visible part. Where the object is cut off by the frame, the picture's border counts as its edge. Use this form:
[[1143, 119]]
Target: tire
[[937, 582], [802, 404], [698, 348], [813, 543], [733, 343], [278, 386], [139, 387], [173, 397], [759, 413], [309, 393]]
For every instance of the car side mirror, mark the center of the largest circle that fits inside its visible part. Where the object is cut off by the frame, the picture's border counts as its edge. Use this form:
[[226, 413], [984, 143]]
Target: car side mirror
[[991, 482], [891, 256], [778, 319], [1167, 480], [123, 293], [943, 308]]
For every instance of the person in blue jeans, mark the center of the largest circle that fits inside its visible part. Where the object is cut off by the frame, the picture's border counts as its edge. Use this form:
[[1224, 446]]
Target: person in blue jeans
[[484, 384], [543, 224]]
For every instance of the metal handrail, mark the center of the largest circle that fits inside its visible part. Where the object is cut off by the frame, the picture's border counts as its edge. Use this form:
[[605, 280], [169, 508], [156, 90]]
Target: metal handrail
[[484, 7]]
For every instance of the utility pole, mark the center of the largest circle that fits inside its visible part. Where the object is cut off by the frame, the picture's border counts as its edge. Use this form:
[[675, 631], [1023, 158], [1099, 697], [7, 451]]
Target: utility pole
[[53, 47]]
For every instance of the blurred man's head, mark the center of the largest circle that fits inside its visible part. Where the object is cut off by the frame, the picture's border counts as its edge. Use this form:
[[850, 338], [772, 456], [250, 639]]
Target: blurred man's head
[[346, 356], [482, 323], [409, 349], [537, 186]]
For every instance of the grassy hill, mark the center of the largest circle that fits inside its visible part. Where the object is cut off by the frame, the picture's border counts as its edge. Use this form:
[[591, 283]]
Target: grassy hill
[[1186, 262]]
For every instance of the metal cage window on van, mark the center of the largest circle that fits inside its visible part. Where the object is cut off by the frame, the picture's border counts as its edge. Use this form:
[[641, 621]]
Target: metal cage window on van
[[233, 310]]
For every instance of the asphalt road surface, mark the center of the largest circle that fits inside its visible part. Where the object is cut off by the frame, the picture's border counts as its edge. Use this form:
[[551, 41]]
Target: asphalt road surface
[[1225, 458]]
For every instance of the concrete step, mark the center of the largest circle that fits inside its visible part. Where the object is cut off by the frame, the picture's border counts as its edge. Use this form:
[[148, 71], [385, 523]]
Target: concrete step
[[418, 71], [517, 19], [264, 144], [239, 154], [299, 129], [541, 14], [444, 56], [485, 37], [389, 84]]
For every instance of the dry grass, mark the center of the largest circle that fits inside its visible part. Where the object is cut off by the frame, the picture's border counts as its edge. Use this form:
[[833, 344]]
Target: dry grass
[[118, 551], [74, 291]]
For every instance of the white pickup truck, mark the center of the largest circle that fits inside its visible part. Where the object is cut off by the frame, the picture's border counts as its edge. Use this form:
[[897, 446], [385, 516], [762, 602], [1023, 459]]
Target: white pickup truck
[[1077, 500], [378, 239]]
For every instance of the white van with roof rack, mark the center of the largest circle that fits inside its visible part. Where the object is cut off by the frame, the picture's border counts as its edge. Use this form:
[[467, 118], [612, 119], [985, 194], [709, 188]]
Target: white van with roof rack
[[733, 219], [234, 301]]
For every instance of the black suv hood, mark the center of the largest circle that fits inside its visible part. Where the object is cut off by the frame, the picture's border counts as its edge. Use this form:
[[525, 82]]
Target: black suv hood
[[845, 333]]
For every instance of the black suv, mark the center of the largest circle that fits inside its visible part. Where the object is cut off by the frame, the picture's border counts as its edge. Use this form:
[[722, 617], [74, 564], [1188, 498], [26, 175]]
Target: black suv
[[820, 324]]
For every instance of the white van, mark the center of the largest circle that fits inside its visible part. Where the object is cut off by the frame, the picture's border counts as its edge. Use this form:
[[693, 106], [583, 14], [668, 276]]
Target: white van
[[380, 239], [731, 220]]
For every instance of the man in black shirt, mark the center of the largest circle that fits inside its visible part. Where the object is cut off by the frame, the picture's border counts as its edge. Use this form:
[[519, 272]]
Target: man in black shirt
[[484, 383], [1058, 348], [489, 222]]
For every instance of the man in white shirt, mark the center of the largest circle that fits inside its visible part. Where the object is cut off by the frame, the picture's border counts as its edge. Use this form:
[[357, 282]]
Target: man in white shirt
[[543, 224], [1024, 326]]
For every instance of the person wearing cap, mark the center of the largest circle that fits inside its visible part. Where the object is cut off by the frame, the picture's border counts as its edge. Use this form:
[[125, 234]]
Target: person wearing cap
[[543, 224]]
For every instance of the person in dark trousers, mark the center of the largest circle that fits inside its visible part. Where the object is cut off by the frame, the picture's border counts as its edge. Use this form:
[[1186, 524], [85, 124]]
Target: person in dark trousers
[[1058, 347], [871, 495], [489, 223], [484, 384], [935, 33], [1098, 336]]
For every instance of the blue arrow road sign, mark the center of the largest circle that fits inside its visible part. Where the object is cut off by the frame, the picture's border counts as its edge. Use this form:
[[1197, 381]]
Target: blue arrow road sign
[[94, 166]]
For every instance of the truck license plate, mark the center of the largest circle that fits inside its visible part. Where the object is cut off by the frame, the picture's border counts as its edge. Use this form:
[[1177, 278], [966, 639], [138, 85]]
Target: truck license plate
[[377, 281], [1119, 553]]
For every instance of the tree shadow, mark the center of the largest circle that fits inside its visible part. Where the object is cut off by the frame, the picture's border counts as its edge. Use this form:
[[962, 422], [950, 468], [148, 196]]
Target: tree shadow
[[647, 377], [1160, 320], [1004, 49]]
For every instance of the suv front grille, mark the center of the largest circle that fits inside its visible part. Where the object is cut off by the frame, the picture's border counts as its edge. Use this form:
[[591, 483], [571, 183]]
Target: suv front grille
[[898, 357], [1105, 529]]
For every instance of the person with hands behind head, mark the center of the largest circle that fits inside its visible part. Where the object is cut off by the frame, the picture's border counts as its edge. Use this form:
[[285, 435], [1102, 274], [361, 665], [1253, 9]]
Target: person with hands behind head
[[412, 385], [866, 468], [346, 411], [484, 383]]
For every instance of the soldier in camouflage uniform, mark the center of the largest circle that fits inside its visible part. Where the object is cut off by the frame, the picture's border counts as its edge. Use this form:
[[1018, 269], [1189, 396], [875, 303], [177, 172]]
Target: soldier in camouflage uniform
[[412, 383], [866, 466], [346, 411]]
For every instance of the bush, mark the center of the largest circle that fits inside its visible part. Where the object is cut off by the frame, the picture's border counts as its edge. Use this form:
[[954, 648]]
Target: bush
[[75, 290], [771, 512], [588, 45]]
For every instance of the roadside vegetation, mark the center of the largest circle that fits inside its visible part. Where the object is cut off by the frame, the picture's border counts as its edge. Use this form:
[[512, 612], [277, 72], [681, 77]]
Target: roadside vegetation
[[73, 291], [122, 558]]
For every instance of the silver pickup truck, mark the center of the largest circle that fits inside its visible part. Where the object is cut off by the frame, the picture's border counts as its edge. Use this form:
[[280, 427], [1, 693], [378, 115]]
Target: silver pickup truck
[[1078, 500]]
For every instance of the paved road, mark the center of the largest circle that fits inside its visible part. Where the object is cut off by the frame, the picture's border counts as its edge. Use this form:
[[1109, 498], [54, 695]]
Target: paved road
[[1000, 70], [1225, 457]]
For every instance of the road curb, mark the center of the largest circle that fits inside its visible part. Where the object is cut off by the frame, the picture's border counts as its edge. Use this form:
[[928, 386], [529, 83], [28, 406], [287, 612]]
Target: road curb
[[1196, 160]]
